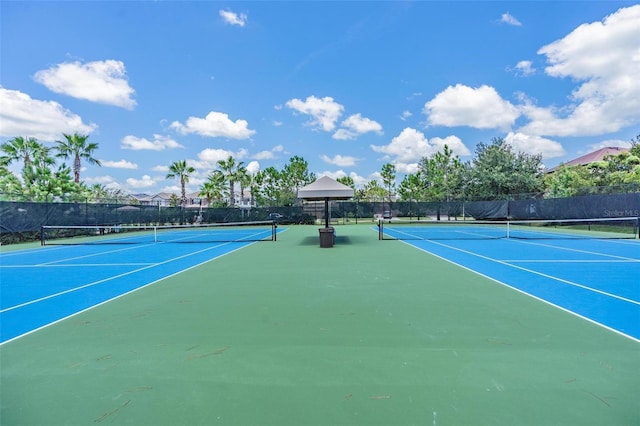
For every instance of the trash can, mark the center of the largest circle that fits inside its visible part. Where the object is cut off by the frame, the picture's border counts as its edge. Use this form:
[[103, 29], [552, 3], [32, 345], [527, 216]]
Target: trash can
[[327, 237]]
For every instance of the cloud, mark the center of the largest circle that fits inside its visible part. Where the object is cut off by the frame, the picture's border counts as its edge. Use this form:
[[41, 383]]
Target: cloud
[[411, 145], [267, 155], [233, 18], [159, 143], [103, 82], [215, 124], [356, 125], [535, 145], [524, 69], [145, 182], [253, 167], [461, 105], [339, 160], [609, 143], [507, 18], [324, 112], [122, 164], [605, 57], [405, 115], [43, 120], [209, 157]]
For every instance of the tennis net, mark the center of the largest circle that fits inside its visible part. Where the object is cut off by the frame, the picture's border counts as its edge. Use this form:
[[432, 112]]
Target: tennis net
[[605, 228], [143, 234]]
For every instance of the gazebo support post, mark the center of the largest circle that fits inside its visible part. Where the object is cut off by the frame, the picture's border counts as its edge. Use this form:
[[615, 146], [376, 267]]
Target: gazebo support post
[[326, 212]]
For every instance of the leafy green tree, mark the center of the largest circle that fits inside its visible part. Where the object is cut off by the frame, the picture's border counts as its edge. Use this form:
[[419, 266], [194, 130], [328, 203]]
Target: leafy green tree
[[76, 146], [181, 171], [635, 146], [10, 185], [567, 181], [389, 178], [347, 180], [373, 191], [294, 175], [412, 187], [269, 181], [442, 175], [497, 171]]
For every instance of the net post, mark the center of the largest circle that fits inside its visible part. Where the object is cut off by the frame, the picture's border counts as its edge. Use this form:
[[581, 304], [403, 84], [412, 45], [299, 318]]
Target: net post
[[155, 233], [42, 235], [508, 229], [380, 231], [274, 234]]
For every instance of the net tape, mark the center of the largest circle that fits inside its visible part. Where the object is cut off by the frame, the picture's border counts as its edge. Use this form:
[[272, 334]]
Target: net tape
[[132, 234], [604, 228]]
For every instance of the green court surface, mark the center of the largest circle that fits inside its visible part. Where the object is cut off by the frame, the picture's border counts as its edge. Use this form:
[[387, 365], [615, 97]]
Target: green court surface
[[365, 333]]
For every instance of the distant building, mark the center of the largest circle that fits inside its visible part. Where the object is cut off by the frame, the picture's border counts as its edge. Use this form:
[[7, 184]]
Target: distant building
[[592, 157]]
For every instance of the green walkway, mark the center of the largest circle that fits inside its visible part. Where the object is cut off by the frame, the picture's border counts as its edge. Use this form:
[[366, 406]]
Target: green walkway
[[287, 333]]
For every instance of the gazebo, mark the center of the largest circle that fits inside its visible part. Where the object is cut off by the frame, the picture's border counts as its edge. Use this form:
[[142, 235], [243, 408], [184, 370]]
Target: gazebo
[[326, 189]]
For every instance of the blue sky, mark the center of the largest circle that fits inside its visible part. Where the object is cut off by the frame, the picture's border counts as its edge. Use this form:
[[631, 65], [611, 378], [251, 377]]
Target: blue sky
[[348, 86]]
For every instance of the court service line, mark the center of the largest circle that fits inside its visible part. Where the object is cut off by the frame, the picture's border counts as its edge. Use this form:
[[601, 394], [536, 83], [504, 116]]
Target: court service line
[[45, 265], [94, 254], [71, 290], [569, 261], [595, 290], [630, 259]]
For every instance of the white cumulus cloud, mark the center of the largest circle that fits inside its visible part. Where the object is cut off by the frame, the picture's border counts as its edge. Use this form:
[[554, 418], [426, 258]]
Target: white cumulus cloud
[[209, 157], [461, 105], [340, 160], [356, 125], [121, 164], [406, 149], [509, 19], [605, 57], [324, 112], [215, 124], [145, 182], [43, 120], [535, 145], [104, 82], [239, 19], [159, 143]]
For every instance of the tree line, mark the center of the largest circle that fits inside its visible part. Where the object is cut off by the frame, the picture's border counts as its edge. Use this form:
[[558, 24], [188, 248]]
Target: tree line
[[496, 171]]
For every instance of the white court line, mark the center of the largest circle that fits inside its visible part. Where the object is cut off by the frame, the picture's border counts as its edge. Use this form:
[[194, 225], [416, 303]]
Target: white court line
[[569, 261], [631, 259], [95, 254], [51, 296], [75, 265]]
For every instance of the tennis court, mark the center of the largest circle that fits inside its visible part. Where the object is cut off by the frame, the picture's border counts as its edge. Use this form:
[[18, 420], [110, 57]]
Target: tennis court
[[286, 333]]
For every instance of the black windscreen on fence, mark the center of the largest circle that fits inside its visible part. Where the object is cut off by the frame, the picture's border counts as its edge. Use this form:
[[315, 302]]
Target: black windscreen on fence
[[21, 221]]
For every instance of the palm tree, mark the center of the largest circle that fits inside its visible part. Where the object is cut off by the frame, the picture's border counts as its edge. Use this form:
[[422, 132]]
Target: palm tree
[[20, 149], [179, 169], [230, 169], [76, 146], [244, 178], [213, 188]]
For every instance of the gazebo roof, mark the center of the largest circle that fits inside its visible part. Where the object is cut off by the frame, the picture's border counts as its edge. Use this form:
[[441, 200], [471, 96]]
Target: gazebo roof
[[324, 188]]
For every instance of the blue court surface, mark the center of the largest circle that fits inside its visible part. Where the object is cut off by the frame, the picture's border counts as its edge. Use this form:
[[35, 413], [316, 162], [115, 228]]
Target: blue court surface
[[595, 279], [44, 285]]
